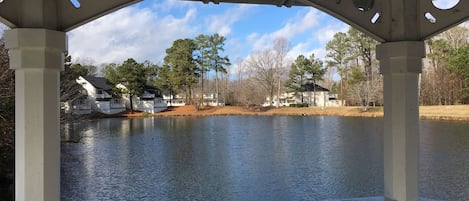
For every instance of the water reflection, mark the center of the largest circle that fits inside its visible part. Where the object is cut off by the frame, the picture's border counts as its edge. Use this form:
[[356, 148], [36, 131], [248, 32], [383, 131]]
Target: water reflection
[[249, 158]]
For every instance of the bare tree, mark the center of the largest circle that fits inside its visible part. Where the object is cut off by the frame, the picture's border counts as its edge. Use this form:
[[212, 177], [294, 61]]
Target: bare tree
[[456, 37], [268, 67], [281, 48], [263, 66]]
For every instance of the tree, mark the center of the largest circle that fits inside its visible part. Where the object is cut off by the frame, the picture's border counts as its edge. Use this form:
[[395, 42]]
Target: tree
[[456, 37], [180, 68], [363, 49], [263, 66], [436, 88], [338, 52], [202, 58], [458, 63], [209, 48], [281, 48], [69, 88], [217, 63], [7, 118], [433, 84], [166, 80], [131, 74], [302, 71], [298, 75], [7, 84], [316, 72]]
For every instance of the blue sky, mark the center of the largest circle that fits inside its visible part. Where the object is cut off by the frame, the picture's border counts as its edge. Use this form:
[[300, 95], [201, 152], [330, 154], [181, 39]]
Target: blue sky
[[143, 31]]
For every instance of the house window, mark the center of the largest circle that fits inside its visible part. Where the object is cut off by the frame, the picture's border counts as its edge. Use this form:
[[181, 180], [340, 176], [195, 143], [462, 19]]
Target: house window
[[116, 101], [79, 102], [100, 91]]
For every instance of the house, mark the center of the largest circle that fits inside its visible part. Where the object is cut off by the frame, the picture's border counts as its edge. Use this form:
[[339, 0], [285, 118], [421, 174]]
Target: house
[[100, 95], [78, 105], [174, 100], [313, 95], [151, 101], [212, 99]]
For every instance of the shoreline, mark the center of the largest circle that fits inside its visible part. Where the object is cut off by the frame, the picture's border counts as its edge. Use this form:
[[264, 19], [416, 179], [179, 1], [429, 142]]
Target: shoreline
[[452, 112]]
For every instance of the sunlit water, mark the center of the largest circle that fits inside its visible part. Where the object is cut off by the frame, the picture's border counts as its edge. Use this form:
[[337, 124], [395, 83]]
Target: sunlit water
[[250, 158]]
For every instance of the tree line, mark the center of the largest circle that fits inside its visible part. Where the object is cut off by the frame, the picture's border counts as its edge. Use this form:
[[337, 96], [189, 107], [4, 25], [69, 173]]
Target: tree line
[[195, 66], [445, 77]]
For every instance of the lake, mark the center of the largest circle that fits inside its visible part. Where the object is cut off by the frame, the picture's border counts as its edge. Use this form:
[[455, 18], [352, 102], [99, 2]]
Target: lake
[[250, 158]]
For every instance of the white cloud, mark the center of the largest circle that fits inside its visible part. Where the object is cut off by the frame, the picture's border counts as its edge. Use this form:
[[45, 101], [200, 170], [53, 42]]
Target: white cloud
[[168, 5], [312, 29], [304, 21], [221, 24], [326, 33], [140, 33]]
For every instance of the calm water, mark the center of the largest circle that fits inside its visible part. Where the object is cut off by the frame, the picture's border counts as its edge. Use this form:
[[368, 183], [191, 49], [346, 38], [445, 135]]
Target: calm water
[[251, 158]]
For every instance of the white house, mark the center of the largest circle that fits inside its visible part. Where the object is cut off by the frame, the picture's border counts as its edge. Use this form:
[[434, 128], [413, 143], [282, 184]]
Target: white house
[[313, 95], [151, 101], [174, 100], [100, 95], [77, 106], [212, 99]]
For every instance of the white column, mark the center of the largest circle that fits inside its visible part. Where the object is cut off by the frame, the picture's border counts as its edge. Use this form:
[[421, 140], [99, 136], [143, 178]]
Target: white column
[[37, 57], [400, 64]]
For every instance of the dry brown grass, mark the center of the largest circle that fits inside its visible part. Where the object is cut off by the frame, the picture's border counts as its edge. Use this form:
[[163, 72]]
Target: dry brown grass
[[446, 112], [453, 112]]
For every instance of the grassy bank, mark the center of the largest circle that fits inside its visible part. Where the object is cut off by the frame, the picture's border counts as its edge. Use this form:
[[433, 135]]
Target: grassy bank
[[453, 112]]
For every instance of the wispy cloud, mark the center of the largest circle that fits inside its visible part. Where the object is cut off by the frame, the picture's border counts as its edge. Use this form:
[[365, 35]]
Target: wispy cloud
[[140, 33], [145, 31], [222, 23], [311, 30], [304, 21]]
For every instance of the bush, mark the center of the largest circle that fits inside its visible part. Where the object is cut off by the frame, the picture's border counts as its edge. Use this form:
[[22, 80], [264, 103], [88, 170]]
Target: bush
[[299, 105]]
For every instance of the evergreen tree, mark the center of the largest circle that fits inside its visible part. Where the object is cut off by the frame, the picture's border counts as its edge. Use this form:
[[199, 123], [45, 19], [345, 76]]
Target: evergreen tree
[[217, 62], [166, 80], [202, 58], [209, 48], [297, 76], [131, 74], [69, 88], [180, 67], [302, 71], [338, 52], [458, 63]]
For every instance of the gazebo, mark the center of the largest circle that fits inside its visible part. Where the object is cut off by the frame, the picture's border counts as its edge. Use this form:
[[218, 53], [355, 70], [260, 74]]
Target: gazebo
[[37, 41]]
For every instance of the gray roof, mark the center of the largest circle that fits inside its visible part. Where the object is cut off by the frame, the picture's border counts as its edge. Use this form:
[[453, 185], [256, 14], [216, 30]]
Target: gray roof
[[313, 87], [99, 82]]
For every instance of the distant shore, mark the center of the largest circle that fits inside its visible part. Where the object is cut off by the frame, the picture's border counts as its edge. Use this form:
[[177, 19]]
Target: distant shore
[[452, 112]]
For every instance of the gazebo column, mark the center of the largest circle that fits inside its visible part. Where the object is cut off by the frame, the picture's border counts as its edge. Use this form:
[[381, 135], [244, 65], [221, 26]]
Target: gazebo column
[[400, 65], [36, 55]]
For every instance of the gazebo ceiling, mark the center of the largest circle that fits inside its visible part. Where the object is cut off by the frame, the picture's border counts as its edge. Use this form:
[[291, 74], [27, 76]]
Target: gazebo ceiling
[[384, 20]]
